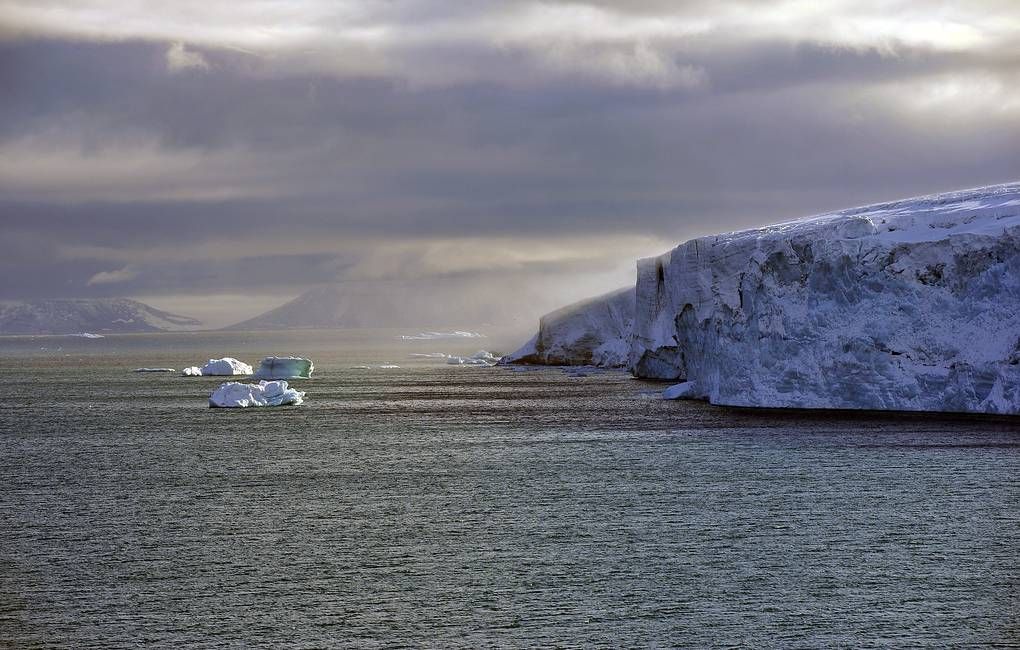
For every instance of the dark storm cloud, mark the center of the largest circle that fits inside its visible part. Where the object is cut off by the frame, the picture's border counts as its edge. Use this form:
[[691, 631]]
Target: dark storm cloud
[[409, 125]]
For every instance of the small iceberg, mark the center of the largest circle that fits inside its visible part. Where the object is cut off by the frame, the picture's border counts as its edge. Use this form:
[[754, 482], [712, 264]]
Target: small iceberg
[[435, 336], [284, 368], [265, 393], [87, 335], [220, 367], [686, 390], [480, 358], [154, 370]]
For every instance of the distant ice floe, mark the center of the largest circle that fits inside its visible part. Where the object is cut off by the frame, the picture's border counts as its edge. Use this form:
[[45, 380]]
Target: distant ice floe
[[265, 393], [436, 336], [480, 358], [87, 335], [428, 355], [284, 368], [389, 366], [226, 366], [154, 370]]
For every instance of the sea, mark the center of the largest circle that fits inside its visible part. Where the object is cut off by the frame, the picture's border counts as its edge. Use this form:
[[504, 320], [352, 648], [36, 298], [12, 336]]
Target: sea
[[440, 506]]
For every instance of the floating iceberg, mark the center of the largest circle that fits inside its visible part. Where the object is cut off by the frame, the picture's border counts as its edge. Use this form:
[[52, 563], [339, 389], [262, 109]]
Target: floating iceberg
[[265, 393], [284, 368], [154, 370], [220, 367], [480, 358], [192, 371], [87, 335], [685, 390], [434, 336], [909, 305], [428, 355]]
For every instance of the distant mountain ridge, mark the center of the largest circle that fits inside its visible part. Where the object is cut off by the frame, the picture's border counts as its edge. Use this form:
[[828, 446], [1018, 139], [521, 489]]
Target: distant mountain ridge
[[353, 305], [97, 315]]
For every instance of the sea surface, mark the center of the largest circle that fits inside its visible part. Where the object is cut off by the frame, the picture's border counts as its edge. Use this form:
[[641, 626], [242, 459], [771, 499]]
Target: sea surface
[[439, 506]]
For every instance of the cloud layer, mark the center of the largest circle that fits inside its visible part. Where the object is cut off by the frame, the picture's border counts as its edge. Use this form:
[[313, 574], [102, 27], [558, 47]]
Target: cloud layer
[[196, 149]]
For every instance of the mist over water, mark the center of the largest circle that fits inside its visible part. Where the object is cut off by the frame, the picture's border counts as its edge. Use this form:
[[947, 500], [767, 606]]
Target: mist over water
[[460, 506]]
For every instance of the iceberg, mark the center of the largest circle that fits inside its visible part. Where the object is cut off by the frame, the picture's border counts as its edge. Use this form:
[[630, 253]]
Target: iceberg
[[265, 393], [224, 366], [87, 335], [284, 368], [154, 370], [438, 336], [909, 305], [192, 371], [480, 358]]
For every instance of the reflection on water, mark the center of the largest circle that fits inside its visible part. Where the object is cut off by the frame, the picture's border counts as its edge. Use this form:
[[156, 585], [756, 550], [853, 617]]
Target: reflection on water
[[464, 506]]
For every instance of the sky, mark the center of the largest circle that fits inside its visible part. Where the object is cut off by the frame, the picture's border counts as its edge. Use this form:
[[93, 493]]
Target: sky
[[220, 158]]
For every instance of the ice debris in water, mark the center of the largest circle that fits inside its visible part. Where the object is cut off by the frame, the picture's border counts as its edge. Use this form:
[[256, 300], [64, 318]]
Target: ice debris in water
[[432, 336], [87, 335], [685, 390], [265, 393], [480, 358], [284, 368], [219, 367], [154, 370]]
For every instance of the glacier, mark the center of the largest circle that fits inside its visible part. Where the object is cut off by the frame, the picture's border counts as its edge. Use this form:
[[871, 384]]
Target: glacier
[[596, 332], [265, 393], [908, 305], [284, 368]]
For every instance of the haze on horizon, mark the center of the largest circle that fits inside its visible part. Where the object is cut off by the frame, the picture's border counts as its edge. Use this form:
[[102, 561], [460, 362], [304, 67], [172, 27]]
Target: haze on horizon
[[218, 159]]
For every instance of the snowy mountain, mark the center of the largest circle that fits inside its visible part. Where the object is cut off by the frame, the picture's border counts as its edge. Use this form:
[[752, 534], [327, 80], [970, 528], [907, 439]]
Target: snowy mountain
[[910, 305], [100, 315]]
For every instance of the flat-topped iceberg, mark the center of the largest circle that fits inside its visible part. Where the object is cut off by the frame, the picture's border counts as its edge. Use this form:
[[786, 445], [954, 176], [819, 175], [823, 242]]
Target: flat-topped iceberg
[[284, 368], [154, 370], [220, 367], [265, 393], [910, 305]]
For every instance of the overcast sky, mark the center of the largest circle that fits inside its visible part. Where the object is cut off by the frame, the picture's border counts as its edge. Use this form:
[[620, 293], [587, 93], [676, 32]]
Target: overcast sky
[[220, 157]]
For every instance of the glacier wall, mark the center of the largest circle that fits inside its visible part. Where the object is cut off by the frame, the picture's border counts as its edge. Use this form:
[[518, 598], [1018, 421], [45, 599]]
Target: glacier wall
[[591, 332], [911, 305]]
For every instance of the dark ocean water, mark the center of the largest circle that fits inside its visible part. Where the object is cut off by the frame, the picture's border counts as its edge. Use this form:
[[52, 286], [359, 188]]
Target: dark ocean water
[[445, 506]]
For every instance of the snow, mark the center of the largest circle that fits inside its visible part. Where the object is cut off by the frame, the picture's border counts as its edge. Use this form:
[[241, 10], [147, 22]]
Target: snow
[[284, 368], [591, 332], [265, 393], [908, 305], [437, 336], [685, 390], [225, 366], [154, 370]]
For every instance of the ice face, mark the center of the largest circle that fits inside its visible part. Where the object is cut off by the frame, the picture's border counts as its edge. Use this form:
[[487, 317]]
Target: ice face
[[265, 393], [284, 368], [225, 366], [911, 305], [592, 332]]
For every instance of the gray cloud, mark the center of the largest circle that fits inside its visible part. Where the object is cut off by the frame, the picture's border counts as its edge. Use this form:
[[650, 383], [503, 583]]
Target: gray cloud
[[417, 140]]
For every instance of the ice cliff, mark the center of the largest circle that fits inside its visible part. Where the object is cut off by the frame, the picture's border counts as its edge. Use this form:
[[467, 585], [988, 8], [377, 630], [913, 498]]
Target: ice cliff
[[591, 332], [910, 305]]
